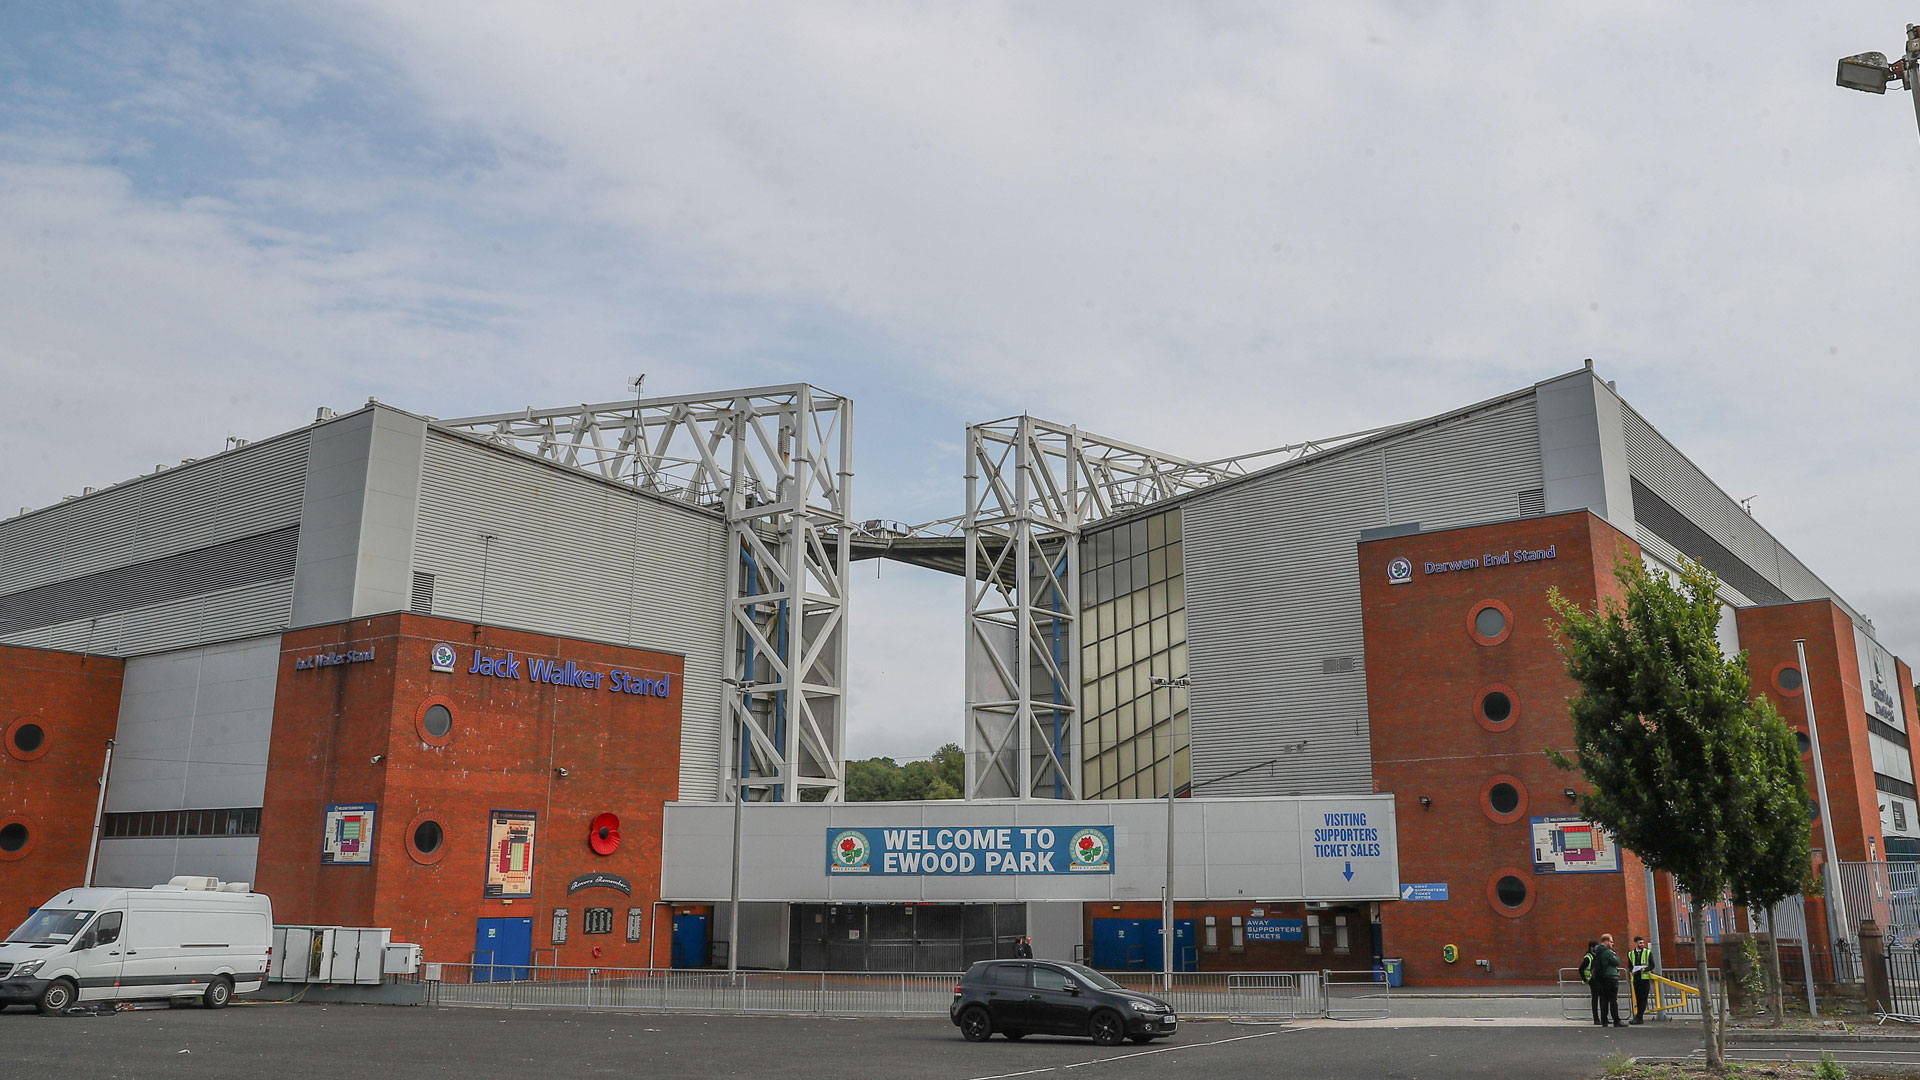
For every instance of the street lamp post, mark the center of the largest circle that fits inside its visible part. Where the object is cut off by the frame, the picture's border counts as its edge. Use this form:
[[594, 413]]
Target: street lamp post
[[1166, 900], [743, 688], [1871, 72]]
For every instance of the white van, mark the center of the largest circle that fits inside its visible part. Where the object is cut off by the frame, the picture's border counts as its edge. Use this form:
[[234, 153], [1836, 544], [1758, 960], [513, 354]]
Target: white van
[[192, 937]]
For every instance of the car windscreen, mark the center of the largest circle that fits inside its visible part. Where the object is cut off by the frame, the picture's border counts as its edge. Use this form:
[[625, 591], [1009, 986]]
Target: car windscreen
[[50, 926], [1093, 978]]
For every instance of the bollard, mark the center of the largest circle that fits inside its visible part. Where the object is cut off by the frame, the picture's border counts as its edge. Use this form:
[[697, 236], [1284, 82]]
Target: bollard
[[1873, 966]]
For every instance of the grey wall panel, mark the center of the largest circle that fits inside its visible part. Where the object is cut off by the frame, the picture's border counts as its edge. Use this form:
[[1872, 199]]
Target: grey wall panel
[[215, 616], [357, 517], [194, 727], [1655, 462], [251, 490], [137, 864], [1272, 592], [384, 579], [576, 556], [1582, 455]]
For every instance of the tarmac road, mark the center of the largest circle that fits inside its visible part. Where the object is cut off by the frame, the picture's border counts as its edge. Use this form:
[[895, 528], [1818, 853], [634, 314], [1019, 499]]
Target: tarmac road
[[326, 1042]]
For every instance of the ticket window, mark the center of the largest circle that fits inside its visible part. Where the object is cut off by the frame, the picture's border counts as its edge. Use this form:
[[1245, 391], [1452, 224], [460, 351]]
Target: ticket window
[[1340, 944], [1313, 933], [1210, 941], [1239, 934]]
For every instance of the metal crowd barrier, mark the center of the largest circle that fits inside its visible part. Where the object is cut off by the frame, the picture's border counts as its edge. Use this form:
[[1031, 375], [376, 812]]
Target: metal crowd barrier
[[1356, 995], [1247, 997]]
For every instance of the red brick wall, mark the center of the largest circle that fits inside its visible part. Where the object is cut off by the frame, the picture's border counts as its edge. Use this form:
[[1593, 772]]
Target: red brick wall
[[75, 700], [1426, 673], [509, 740]]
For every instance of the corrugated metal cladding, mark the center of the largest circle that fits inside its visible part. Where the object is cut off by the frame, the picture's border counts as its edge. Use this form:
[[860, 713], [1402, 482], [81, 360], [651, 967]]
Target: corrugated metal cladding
[[198, 548], [1675, 481], [1273, 595], [579, 557]]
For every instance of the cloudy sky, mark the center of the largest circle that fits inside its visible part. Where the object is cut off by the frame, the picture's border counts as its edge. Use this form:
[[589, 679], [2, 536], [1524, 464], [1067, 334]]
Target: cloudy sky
[[1207, 228]]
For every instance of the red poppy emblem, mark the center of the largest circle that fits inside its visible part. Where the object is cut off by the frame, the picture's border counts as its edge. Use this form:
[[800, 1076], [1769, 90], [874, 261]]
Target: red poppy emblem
[[846, 845], [1086, 842]]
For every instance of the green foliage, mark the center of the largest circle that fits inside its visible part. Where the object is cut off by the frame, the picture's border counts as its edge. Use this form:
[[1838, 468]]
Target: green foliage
[[1828, 1068], [1616, 1064], [882, 779], [1681, 759]]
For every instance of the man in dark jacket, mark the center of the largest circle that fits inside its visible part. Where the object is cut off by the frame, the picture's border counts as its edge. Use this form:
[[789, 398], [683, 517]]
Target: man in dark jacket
[[1023, 948], [1606, 981], [1586, 976]]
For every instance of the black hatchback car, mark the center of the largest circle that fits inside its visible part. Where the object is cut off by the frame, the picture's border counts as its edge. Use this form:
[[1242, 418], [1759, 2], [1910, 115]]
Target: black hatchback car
[[1018, 998]]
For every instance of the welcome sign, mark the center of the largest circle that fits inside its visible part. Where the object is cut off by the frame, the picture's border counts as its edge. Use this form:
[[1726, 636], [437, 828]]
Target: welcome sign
[[1039, 850]]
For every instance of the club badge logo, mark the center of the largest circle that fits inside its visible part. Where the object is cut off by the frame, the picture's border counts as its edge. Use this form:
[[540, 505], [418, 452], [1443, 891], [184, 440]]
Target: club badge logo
[[849, 852], [443, 657], [1090, 849], [1399, 570]]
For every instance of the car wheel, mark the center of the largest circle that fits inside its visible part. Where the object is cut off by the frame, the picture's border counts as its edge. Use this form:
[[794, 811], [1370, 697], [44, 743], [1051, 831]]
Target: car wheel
[[1107, 1028], [976, 1025], [57, 997], [219, 992]]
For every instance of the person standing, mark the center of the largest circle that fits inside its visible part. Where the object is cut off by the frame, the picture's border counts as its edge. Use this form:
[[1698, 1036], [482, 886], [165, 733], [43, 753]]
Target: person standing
[[1586, 976], [1023, 949], [1640, 970], [1606, 982]]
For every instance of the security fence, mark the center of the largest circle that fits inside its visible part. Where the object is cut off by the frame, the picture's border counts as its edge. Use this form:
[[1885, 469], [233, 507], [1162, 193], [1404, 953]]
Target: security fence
[[1246, 997]]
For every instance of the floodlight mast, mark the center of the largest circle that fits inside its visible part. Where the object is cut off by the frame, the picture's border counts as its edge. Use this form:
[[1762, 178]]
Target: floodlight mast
[[1870, 72]]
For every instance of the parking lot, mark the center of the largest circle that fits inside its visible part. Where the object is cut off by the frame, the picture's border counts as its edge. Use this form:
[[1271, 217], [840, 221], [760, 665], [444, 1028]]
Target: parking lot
[[312, 1042]]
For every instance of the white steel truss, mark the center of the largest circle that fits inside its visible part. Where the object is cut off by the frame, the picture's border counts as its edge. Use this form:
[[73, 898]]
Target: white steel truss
[[778, 462], [1032, 488]]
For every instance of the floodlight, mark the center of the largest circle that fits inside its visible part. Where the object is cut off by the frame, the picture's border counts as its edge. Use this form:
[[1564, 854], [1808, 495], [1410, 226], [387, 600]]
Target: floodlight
[[1867, 71]]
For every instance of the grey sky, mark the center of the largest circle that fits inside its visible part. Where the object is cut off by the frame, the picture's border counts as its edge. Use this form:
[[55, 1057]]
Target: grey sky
[[1206, 228]]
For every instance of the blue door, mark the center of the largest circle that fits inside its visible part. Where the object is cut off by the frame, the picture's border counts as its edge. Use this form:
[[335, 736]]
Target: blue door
[[689, 941], [502, 949], [1122, 945]]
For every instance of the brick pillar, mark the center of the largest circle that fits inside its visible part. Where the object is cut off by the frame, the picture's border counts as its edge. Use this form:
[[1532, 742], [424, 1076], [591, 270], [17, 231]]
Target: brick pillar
[[1873, 965]]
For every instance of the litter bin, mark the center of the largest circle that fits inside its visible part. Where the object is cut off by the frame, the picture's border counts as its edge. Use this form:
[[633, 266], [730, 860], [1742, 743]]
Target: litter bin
[[1395, 969]]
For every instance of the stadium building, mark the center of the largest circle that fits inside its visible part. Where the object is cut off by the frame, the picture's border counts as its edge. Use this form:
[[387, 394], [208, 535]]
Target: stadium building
[[492, 682]]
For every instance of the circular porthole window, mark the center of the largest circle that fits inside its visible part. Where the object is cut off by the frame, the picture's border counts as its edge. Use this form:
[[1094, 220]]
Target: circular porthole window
[[1802, 743], [1497, 708], [16, 838], [1503, 799], [426, 839], [1490, 622], [1787, 680], [434, 721], [1509, 892], [26, 738]]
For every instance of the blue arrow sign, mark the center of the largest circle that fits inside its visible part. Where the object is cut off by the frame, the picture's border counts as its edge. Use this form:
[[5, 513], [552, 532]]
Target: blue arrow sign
[[1348, 872]]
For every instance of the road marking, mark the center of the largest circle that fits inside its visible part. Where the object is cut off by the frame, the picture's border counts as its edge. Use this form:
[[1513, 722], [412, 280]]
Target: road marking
[[1126, 1057]]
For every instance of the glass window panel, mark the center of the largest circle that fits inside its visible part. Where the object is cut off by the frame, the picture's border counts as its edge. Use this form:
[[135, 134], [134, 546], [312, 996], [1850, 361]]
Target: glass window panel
[[1157, 564], [1089, 656], [1178, 652], [1160, 778], [1183, 766], [1104, 658], [1139, 536], [1173, 527], [1138, 603], [1137, 567], [1128, 758], [1157, 600], [1109, 691], [1157, 635], [1109, 735], [1177, 628], [1142, 640], [1103, 585], [1177, 592], [1157, 530], [1122, 578], [1102, 548], [1175, 561], [1126, 718], [1122, 544], [1123, 650], [1161, 667], [1125, 789]]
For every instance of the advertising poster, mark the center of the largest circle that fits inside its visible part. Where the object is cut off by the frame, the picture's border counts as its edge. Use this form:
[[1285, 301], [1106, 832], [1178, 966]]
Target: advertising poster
[[884, 852], [510, 855], [1565, 844], [348, 840]]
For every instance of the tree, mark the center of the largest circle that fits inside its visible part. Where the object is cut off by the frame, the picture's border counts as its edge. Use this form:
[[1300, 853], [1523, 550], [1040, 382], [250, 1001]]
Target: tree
[[1783, 815], [1678, 755], [882, 779]]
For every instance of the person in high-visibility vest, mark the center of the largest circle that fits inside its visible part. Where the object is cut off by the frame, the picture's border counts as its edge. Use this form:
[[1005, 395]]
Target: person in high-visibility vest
[[1640, 968], [1586, 976]]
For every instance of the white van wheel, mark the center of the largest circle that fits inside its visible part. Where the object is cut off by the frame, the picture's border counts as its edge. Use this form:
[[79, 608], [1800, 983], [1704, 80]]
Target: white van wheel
[[57, 997], [219, 992]]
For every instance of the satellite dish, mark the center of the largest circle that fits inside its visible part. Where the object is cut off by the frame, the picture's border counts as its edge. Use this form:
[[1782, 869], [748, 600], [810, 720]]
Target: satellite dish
[[603, 835]]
